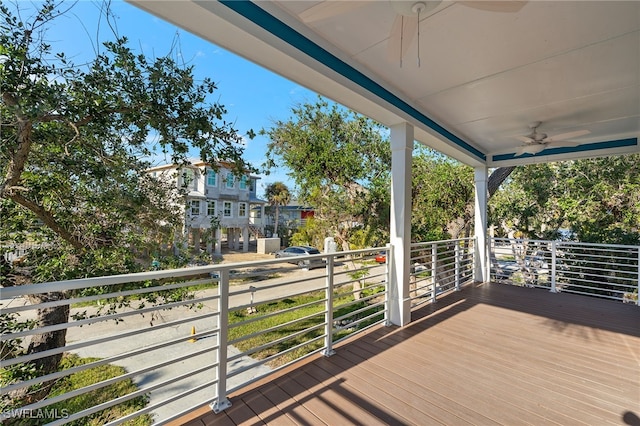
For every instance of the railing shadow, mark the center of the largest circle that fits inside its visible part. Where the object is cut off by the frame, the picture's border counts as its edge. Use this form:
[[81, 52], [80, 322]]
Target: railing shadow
[[325, 384]]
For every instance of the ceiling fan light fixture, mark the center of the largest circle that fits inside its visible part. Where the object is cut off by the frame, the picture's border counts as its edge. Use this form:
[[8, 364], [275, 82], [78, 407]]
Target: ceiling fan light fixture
[[414, 8]]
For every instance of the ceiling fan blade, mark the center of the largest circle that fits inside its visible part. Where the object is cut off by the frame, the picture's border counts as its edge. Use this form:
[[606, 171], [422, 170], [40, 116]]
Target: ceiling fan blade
[[569, 135], [531, 149], [328, 9], [402, 34], [495, 6]]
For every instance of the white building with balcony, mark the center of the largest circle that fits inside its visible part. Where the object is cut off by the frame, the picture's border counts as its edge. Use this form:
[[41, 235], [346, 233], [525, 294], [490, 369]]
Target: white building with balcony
[[219, 202]]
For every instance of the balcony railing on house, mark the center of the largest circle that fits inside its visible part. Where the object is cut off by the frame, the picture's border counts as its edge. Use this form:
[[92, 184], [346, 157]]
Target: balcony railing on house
[[607, 271], [192, 336]]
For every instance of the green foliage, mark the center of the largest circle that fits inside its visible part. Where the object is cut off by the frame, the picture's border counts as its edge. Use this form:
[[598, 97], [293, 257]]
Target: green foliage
[[73, 150], [309, 312], [598, 199], [74, 138], [441, 190], [278, 195], [311, 234], [10, 323], [98, 396], [340, 163]]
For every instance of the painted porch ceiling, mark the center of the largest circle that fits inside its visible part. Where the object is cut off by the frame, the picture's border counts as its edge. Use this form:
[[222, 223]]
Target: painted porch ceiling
[[484, 76]]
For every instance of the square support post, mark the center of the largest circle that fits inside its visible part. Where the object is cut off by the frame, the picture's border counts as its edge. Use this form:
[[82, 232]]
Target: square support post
[[400, 238], [480, 272]]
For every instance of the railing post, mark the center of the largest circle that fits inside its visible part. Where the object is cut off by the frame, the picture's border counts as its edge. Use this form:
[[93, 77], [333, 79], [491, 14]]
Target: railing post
[[434, 259], [638, 298], [554, 247], [456, 255], [328, 340], [222, 402], [387, 284]]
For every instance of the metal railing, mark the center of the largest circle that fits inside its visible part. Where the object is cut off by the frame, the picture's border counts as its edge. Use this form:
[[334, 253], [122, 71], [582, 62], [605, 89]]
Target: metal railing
[[607, 271], [439, 267], [189, 336]]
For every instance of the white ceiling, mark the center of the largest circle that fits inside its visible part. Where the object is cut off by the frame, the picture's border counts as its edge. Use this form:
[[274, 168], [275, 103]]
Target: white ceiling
[[484, 76]]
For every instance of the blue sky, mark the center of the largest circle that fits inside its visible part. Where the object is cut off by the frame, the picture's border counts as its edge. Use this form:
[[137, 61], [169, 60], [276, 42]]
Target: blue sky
[[254, 97]]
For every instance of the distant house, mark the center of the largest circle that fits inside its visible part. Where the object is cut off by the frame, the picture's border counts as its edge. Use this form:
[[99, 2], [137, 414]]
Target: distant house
[[218, 202], [294, 215]]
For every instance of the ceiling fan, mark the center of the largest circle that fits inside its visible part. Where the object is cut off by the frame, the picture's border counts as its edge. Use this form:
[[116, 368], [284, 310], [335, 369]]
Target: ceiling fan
[[536, 142], [408, 15]]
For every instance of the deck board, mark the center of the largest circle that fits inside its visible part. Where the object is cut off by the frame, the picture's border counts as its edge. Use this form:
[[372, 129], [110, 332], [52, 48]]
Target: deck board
[[487, 355]]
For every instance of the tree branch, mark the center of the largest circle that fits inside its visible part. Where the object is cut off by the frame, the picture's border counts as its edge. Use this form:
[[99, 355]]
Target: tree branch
[[46, 217], [20, 155]]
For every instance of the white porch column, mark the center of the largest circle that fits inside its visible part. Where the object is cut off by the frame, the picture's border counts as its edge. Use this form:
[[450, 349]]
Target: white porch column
[[400, 238], [245, 239], [196, 240], [480, 273], [231, 238], [218, 243]]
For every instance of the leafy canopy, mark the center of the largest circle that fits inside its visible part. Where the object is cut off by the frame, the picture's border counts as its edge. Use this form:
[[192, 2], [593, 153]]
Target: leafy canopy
[[75, 138], [597, 199], [340, 163]]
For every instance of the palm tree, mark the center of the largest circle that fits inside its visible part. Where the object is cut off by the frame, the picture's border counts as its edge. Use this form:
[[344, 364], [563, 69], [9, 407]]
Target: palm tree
[[278, 195]]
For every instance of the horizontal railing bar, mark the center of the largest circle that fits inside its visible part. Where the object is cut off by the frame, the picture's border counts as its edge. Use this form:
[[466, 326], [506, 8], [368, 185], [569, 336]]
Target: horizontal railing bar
[[270, 357], [276, 313], [561, 243], [67, 372], [75, 284], [273, 286], [67, 348], [210, 384], [275, 299], [101, 318], [127, 397], [275, 342], [572, 257], [585, 293], [85, 299], [363, 319], [355, 302], [623, 278], [357, 311], [107, 382], [276, 327], [607, 284], [360, 330]]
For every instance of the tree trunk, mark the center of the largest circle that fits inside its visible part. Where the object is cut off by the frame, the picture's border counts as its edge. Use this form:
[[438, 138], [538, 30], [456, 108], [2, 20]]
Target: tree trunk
[[498, 176], [44, 342], [461, 226]]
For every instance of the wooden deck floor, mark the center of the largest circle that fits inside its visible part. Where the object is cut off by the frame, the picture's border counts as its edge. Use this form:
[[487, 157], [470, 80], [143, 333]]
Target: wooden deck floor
[[490, 354]]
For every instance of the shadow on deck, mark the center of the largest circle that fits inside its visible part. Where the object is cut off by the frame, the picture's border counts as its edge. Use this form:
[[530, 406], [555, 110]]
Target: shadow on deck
[[489, 354]]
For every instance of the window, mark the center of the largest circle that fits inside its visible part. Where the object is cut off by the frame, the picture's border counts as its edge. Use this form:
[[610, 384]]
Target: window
[[189, 180], [195, 207], [226, 211], [211, 177], [243, 182], [211, 208], [230, 180], [242, 209]]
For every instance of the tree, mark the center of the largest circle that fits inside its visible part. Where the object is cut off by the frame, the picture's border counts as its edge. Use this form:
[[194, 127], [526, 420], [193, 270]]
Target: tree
[[340, 162], [597, 199], [73, 144], [278, 195]]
